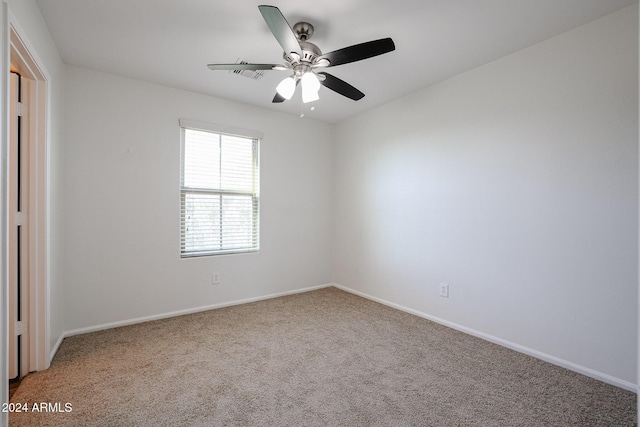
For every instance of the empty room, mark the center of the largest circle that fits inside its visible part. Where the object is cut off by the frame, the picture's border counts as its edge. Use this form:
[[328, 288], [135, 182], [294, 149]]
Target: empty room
[[354, 212]]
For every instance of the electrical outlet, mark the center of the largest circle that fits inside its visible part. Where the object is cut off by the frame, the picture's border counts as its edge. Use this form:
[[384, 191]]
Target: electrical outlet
[[444, 290], [215, 279]]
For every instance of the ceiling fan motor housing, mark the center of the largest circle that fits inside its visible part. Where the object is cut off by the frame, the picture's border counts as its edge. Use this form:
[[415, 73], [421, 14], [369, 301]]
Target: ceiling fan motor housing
[[310, 52]]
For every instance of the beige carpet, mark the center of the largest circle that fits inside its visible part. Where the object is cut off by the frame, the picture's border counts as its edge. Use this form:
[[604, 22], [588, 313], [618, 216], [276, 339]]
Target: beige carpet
[[320, 358]]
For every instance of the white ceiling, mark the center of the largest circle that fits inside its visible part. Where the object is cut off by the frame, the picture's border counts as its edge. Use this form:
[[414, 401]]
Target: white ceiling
[[170, 42]]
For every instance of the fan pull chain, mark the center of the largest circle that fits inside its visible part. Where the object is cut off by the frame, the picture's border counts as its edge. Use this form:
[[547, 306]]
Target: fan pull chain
[[302, 109]]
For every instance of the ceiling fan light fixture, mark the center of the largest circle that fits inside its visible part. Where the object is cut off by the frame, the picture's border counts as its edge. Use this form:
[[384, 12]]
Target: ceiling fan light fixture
[[309, 96], [286, 87], [310, 87], [310, 81]]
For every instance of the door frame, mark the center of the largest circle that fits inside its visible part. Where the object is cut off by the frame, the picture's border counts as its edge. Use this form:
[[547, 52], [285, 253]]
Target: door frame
[[35, 76], [16, 50], [37, 307], [4, 193]]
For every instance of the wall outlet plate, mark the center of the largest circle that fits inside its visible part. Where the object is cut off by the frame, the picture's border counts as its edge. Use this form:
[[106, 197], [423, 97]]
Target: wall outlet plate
[[215, 279], [444, 290]]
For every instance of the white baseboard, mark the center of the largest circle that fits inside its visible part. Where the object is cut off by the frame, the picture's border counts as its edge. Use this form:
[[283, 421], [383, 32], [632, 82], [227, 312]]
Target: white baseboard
[[55, 348], [508, 344], [178, 313]]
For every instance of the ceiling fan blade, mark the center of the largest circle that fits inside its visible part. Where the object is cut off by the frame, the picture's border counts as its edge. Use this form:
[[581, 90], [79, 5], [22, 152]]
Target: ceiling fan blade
[[280, 29], [278, 98], [358, 52], [340, 86], [253, 67]]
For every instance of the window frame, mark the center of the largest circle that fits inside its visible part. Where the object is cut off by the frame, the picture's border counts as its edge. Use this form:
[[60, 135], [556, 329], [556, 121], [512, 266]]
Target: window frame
[[221, 130]]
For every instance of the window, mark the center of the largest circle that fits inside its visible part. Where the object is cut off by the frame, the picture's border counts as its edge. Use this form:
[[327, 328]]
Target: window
[[219, 190]]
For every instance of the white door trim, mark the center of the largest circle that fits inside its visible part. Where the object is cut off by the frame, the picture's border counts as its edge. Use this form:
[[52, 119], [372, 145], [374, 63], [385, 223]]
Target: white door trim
[[4, 219], [23, 58]]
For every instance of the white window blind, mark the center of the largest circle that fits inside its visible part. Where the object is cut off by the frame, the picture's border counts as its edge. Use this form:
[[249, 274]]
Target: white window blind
[[219, 193]]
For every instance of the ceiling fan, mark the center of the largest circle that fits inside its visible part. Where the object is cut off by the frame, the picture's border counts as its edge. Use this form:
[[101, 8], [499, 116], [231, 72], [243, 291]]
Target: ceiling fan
[[304, 58]]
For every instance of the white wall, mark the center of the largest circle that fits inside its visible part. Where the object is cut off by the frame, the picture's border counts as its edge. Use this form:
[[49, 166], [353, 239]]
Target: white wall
[[25, 16], [515, 183], [122, 165]]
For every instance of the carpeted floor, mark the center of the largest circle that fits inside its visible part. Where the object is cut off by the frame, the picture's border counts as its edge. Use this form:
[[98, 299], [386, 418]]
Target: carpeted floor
[[320, 358]]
